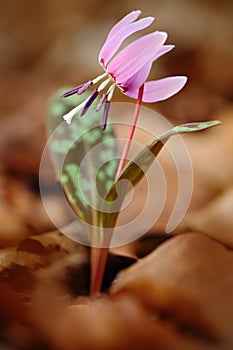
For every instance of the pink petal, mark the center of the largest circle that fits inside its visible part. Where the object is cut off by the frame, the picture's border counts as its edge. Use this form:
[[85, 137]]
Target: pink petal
[[135, 81], [160, 90], [113, 42], [164, 49], [131, 17], [131, 59]]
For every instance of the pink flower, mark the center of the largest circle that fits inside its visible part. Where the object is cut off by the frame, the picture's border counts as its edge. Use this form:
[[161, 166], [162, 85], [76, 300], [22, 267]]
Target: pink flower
[[129, 68]]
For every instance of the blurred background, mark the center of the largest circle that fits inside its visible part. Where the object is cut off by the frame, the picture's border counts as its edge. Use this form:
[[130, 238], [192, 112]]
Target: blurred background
[[46, 44], [50, 43]]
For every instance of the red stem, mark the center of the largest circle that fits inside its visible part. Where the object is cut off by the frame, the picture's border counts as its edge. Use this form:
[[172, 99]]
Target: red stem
[[131, 132], [94, 257], [99, 274], [99, 255]]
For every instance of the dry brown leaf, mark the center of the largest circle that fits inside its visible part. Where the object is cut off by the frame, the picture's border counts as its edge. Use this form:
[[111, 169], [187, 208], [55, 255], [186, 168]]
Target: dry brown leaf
[[22, 213], [215, 219], [18, 265], [187, 282]]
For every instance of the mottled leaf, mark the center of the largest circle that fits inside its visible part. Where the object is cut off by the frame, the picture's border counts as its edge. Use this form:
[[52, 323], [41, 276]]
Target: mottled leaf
[[84, 156], [137, 167]]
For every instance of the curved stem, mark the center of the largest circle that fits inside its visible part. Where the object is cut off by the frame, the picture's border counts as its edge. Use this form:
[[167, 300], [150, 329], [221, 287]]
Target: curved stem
[[131, 132]]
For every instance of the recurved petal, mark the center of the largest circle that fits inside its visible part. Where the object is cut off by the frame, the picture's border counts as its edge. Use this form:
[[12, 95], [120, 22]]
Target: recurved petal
[[136, 55], [138, 79], [131, 17], [113, 42], [159, 90], [135, 81], [164, 49]]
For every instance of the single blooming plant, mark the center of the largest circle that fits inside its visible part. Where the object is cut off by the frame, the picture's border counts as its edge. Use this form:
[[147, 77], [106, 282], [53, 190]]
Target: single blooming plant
[[126, 69]]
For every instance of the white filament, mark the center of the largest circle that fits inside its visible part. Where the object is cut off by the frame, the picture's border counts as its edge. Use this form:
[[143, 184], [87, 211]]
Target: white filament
[[104, 84], [69, 116], [100, 77], [110, 91]]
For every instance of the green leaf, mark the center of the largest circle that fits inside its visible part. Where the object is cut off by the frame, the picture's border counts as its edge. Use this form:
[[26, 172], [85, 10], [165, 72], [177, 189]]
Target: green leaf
[[137, 167], [83, 155]]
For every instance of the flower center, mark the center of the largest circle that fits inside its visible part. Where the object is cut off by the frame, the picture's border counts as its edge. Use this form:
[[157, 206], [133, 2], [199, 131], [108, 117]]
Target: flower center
[[122, 88], [107, 79]]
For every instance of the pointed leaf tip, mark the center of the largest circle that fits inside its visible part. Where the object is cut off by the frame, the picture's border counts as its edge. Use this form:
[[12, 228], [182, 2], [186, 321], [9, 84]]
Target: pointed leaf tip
[[137, 167], [196, 126]]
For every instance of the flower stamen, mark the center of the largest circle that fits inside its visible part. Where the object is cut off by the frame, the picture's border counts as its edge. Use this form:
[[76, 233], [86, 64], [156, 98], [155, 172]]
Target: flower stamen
[[72, 92], [106, 98], [110, 91], [89, 102], [105, 115], [101, 102], [85, 87], [104, 84], [100, 77]]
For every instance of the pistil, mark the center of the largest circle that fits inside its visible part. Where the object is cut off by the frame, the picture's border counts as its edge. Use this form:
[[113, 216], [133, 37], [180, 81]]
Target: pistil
[[69, 116]]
